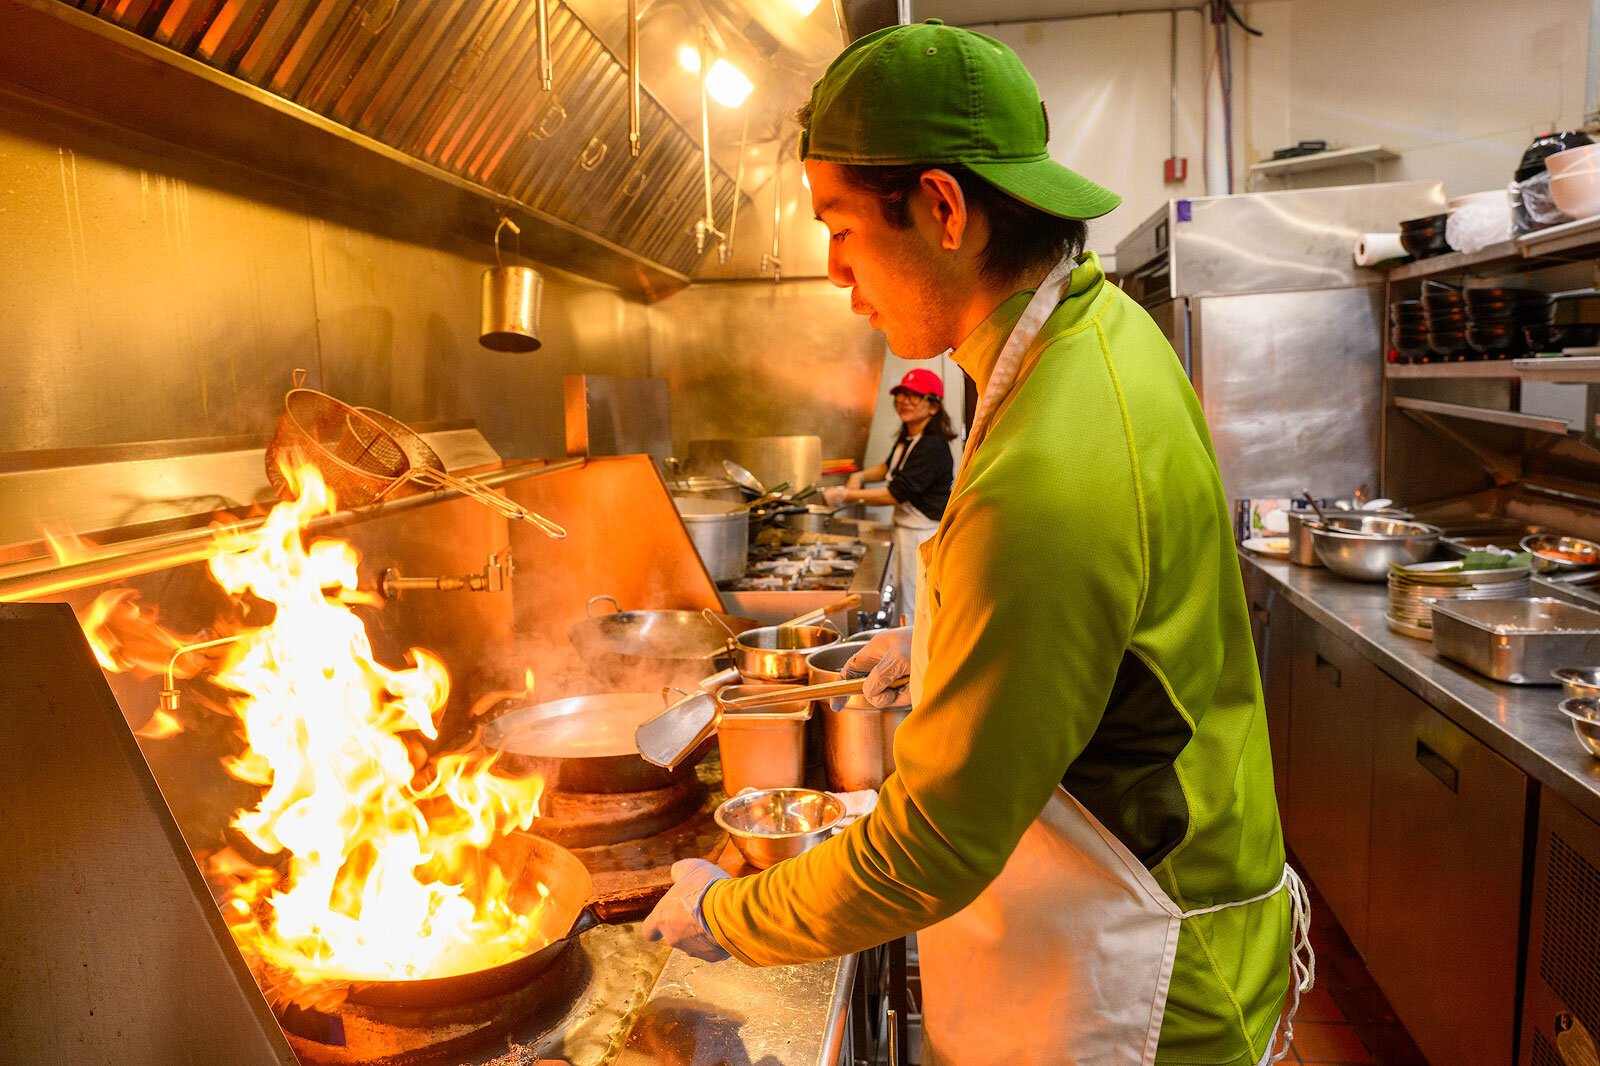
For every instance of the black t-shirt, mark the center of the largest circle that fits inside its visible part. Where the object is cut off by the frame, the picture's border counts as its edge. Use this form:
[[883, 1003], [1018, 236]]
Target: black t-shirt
[[923, 480]]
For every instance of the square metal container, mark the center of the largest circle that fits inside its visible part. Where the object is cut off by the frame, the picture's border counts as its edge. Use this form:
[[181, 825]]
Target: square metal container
[[1517, 641]]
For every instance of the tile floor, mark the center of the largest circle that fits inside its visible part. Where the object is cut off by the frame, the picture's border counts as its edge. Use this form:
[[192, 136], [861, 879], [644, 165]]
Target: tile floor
[[1345, 1019]]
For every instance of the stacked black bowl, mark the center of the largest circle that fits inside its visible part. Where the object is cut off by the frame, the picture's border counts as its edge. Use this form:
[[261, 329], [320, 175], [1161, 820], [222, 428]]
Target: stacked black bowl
[[1573, 321], [1498, 317], [1446, 313], [1423, 237], [1408, 332]]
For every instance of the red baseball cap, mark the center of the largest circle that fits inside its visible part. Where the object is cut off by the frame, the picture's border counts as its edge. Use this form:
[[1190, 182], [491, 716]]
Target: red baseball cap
[[922, 382]]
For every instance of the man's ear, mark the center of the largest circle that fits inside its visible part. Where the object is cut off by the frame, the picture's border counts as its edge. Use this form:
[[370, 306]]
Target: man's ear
[[943, 194]]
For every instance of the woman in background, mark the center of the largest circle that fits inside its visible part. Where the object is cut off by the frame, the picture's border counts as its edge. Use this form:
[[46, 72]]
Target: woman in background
[[918, 476]]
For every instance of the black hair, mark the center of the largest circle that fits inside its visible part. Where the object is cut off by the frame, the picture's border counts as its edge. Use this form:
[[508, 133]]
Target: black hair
[[1021, 237]]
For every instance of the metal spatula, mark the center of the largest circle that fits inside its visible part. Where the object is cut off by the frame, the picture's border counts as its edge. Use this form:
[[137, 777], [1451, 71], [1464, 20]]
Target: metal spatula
[[669, 737]]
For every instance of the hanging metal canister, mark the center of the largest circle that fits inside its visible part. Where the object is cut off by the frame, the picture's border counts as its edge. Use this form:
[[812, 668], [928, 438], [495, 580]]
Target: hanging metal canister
[[512, 299]]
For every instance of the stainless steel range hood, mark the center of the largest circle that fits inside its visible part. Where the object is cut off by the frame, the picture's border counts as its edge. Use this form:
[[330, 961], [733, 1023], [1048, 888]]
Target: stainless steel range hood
[[434, 107]]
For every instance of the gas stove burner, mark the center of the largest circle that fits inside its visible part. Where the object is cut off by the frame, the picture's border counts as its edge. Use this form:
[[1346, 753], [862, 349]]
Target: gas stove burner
[[591, 819], [350, 1033]]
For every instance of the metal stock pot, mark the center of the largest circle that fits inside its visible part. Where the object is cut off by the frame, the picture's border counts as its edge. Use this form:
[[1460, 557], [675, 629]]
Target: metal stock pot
[[858, 738]]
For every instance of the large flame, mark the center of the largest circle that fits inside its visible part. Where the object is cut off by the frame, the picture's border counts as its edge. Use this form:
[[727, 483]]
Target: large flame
[[381, 868]]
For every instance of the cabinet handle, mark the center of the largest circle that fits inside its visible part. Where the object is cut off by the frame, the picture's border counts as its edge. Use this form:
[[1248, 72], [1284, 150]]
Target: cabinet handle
[[1260, 615], [1438, 766], [1328, 670]]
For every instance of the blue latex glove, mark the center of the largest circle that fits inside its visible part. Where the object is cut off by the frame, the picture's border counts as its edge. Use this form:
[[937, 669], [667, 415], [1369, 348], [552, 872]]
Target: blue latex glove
[[885, 661], [677, 918]]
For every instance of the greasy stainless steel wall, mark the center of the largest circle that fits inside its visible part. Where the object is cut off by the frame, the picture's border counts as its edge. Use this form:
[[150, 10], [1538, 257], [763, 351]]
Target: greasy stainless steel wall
[[148, 294], [754, 359]]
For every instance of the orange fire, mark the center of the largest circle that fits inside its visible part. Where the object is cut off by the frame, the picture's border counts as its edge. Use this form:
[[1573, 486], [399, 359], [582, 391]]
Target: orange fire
[[384, 873]]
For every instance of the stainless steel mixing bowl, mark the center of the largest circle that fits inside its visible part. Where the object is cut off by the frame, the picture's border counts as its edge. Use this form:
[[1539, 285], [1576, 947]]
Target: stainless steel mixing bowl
[[1365, 552], [774, 824]]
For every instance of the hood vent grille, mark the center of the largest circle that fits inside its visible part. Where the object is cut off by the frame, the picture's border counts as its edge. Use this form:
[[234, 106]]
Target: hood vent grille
[[455, 83]]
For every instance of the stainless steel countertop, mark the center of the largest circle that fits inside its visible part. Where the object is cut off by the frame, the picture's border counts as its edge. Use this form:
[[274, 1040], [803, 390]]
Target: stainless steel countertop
[[647, 1004], [1519, 722]]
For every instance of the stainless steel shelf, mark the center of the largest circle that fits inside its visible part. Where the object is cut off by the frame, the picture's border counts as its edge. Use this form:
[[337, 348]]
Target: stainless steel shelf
[[1368, 155], [1566, 369], [1514, 419], [1506, 253], [1494, 368]]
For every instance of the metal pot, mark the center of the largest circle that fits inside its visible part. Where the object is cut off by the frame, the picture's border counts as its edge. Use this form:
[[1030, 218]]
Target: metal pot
[[582, 743], [721, 534], [809, 519], [763, 748], [641, 650], [858, 739], [778, 653]]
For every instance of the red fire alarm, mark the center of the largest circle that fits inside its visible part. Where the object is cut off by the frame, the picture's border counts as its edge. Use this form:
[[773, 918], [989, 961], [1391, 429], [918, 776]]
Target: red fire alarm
[[1175, 169]]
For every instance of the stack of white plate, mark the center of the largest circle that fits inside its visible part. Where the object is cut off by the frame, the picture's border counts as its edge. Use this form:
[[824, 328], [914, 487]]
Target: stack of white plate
[[1415, 587]]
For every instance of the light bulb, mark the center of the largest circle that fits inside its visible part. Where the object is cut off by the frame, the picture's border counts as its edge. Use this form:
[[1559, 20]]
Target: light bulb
[[805, 7], [689, 58], [727, 84]]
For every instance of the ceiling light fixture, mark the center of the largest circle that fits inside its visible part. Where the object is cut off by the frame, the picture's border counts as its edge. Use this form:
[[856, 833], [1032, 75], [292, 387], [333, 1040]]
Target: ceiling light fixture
[[727, 84], [689, 58], [805, 7]]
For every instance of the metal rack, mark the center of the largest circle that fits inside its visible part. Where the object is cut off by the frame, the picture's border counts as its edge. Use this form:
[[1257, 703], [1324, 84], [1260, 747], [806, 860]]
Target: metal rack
[[1433, 413]]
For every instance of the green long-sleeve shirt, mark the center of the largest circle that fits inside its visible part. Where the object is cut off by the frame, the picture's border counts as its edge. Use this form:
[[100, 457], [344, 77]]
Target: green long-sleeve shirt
[[1088, 628]]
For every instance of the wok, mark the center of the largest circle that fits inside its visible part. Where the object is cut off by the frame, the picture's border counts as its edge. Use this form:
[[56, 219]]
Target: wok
[[651, 649], [569, 911], [581, 743]]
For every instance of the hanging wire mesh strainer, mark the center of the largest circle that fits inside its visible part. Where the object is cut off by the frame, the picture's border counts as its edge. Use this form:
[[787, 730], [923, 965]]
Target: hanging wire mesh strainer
[[366, 456]]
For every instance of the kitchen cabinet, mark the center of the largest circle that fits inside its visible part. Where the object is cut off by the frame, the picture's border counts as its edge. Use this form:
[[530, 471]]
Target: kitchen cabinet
[[1561, 993], [1445, 888], [1272, 628], [1328, 801]]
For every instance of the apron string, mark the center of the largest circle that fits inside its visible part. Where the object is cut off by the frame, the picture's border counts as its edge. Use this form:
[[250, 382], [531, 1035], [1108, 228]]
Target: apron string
[[1302, 959]]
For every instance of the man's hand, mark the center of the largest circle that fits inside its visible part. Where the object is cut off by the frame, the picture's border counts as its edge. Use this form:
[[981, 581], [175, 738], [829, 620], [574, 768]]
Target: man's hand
[[677, 918], [853, 481], [834, 496], [886, 664]]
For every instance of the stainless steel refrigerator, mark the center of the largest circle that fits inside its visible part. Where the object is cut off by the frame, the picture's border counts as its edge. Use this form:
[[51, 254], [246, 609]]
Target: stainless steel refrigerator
[[1277, 327]]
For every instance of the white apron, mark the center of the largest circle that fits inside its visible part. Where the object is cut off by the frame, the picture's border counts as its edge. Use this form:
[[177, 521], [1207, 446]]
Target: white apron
[[1067, 956], [911, 529]]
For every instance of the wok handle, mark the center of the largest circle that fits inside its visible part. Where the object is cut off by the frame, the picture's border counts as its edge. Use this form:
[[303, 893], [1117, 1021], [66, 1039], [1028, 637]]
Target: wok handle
[[626, 906], [588, 608]]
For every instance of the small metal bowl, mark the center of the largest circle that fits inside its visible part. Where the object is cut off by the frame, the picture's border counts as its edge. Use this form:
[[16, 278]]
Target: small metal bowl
[[1585, 714], [773, 824], [1579, 681], [1540, 543]]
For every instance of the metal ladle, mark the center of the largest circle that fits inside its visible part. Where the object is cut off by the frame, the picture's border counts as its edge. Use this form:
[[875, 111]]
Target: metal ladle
[[743, 478], [1305, 494]]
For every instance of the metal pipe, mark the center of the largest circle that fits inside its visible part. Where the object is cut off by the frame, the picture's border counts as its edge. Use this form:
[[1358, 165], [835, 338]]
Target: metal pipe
[[706, 228], [37, 579], [771, 260], [546, 73], [726, 251], [1172, 85], [633, 78]]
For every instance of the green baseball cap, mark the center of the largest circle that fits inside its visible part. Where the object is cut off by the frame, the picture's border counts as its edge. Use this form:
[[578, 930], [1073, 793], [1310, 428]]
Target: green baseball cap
[[931, 93]]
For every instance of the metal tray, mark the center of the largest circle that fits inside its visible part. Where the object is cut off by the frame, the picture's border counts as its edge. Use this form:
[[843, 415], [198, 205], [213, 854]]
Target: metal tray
[[1517, 641]]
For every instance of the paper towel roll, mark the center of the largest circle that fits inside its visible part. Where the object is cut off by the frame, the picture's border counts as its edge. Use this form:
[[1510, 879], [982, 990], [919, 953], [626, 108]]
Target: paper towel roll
[[1373, 248]]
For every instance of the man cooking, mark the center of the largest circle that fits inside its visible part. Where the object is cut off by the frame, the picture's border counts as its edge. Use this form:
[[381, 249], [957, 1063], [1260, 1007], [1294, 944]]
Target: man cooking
[[1082, 822]]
